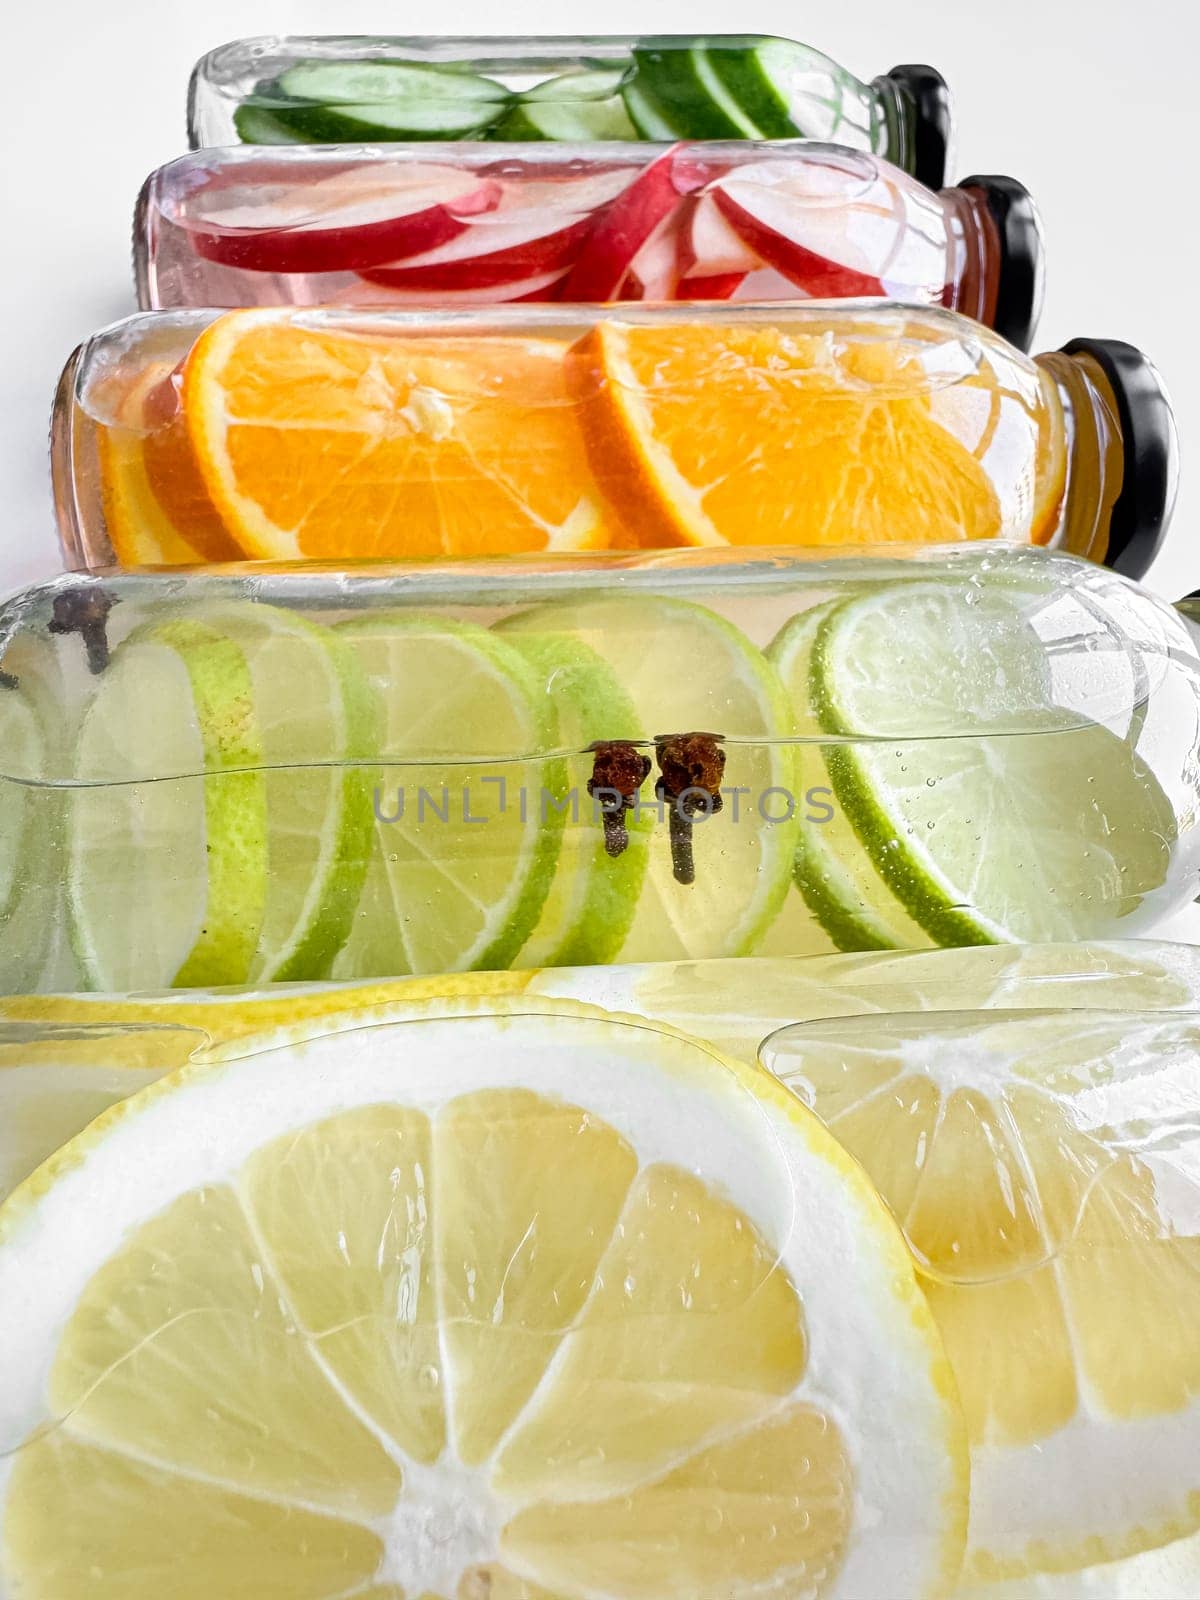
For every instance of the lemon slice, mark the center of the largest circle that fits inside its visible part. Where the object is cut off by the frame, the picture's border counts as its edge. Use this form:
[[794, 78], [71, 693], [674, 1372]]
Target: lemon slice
[[736, 1005], [55, 1080], [1045, 1167], [522, 1304], [1171, 1572]]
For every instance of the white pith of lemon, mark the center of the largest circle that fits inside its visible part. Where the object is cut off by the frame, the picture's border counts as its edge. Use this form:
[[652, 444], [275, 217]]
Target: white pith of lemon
[[474, 1294], [733, 1005], [1045, 1168]]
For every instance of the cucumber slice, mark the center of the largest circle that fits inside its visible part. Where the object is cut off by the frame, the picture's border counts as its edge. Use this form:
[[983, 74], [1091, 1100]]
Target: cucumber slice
[[646, 115], [306, 123], [257, 124], [577, 108], [363, 83], [589, 122], [602, 84], [682, 87], [790, 91], [328, 102]]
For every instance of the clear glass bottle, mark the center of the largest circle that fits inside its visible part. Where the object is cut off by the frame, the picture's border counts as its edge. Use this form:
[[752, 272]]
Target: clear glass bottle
[[294, 774], [375, 90], [463, 225], [186, 437]]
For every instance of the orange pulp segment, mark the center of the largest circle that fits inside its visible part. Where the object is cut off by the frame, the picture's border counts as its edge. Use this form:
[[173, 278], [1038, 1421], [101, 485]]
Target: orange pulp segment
[[139, 529], [703, 434], [321, 444]]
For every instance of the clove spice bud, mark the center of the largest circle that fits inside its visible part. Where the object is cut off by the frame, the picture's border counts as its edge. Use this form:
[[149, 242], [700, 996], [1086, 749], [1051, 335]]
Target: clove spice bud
[[85, 612], [619, 769], [691, 766]]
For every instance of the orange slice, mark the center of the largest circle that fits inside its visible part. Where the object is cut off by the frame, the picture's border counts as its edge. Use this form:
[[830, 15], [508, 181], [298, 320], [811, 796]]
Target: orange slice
[[325, 444], [757, 435], [174, 477], [1050, 486], [139, 529]]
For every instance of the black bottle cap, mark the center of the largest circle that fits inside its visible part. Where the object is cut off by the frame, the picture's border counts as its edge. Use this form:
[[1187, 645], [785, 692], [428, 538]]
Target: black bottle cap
[[1143, 509], [1022, 278], [928, 97]]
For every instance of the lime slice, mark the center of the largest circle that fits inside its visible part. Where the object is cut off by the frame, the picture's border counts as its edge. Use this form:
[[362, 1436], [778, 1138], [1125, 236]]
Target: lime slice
[[311, 698], [685, 670], [241, 855], [1041, 827], [465, 846], [34, 949], [21, 752], [839, 884], [592, 900]]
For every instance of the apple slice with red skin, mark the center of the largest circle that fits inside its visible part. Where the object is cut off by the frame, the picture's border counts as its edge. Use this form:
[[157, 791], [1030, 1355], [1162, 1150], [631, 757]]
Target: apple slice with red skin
[[771, 221], [711, 246], [541, 286], [490, 257], [717, 286], [631, 220], [343, 222], [655, 271], [661, 270], [539, 227]]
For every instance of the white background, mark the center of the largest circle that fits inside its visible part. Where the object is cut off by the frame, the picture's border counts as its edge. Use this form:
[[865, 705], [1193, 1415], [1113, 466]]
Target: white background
[[1092, 104]]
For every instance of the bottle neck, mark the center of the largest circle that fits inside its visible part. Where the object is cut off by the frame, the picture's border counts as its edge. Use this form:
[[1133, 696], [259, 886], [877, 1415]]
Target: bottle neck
[[895, 122], [914, 122], [973, 251], [1189, 610], [1095, 467]]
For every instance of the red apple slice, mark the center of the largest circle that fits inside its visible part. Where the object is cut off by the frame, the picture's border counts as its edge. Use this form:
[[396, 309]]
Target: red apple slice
[[538, 227], [491, 257], [629, 222], [718, 286], [340, 223], [711, 246], [655, 271], [802, 236], [542, 286]]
